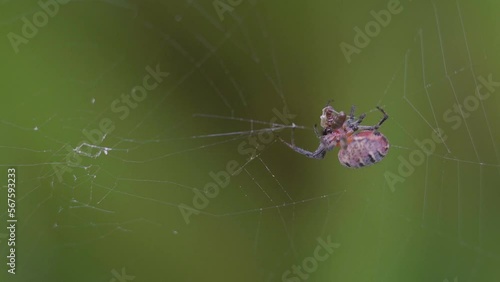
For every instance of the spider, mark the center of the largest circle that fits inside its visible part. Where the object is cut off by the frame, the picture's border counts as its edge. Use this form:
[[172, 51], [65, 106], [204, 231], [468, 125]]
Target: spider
[[359, 145]]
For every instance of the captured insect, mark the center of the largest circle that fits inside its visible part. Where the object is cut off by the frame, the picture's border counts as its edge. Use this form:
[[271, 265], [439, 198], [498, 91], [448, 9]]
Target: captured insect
[[360, 145]]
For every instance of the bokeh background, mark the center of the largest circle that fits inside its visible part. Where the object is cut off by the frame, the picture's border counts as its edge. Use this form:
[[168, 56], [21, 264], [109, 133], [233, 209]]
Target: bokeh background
[[110, 211]]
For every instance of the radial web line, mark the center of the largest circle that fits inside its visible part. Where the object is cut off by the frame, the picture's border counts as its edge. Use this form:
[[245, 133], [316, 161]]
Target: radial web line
[[438, 26]]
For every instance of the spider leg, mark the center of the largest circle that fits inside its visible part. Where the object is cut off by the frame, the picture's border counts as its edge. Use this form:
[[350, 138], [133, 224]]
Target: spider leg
[[384, 118], [352, 122], [355, 124], [351, 115], [318, 154], [377, 126], [361, 118], [317, 132]]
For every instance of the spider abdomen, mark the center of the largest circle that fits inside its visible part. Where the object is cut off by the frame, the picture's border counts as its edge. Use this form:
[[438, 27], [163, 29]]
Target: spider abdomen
[[364, 148]]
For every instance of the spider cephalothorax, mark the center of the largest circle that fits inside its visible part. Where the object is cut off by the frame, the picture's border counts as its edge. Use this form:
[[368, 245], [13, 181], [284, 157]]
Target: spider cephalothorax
[[359, 145], [331, 119]]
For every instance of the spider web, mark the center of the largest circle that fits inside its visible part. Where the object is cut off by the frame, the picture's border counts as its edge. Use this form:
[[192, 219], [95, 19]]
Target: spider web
[[231, 78]]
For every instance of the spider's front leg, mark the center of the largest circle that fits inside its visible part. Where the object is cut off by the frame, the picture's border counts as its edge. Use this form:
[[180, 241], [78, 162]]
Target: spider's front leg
[[322, 133], [317, 132], [318, 154]]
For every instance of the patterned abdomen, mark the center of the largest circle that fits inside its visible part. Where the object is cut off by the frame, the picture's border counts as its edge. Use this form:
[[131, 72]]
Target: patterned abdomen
[[364, 148]]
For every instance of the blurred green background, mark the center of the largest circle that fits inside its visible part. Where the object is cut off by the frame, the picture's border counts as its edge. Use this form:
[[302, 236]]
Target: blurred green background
[[109, 212]]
